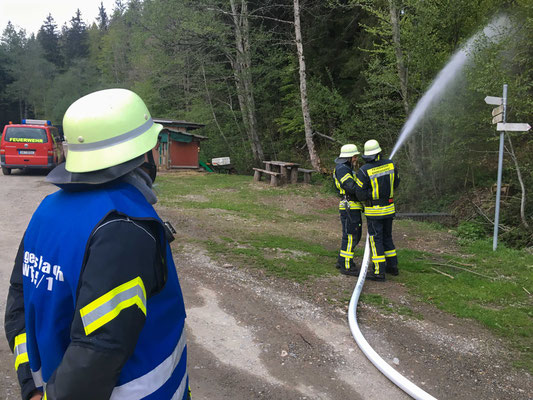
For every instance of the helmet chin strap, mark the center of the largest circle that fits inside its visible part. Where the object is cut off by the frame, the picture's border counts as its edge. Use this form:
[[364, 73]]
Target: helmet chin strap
[[149, 166]]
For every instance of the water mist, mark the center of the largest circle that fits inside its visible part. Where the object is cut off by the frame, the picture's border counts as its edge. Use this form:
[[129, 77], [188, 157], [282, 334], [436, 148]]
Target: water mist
[[456, 64]]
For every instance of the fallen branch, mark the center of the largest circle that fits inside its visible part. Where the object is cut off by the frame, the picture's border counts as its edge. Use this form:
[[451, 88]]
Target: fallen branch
[[305, 340], [464, 269], [527, 291], [442, 273], [463, 264], [480, 212], [326, 137]]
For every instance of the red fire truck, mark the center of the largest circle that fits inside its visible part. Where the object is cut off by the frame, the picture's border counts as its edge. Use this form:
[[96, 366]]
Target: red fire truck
[[32, 144]]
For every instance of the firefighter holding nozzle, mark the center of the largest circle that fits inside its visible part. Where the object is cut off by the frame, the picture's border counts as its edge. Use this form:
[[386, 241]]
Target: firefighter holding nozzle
[[349, 208], [376, 182]]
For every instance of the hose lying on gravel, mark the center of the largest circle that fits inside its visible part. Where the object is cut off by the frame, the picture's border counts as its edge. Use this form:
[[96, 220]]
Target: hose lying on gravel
[[399, 380]]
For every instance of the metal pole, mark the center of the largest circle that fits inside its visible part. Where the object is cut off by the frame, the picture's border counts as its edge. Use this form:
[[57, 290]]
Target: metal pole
[[500, 168]]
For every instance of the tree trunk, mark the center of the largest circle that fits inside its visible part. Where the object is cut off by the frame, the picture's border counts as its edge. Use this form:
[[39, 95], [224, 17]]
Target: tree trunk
[[313, 155], [243, 77], [412, 151], [213, 110], [521, 181], [402, 71]]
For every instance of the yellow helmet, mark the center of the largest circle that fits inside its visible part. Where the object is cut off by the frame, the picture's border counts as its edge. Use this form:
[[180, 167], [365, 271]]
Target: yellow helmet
[[348, 150], [107, 128], [371, 148]]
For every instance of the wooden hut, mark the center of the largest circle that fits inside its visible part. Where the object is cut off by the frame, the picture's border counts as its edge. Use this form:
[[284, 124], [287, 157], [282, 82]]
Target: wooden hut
[[177, 146]]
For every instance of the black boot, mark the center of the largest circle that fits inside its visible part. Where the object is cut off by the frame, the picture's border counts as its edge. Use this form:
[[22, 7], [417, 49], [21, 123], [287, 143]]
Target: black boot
[[392, 270], [375, 277], [350, 271]]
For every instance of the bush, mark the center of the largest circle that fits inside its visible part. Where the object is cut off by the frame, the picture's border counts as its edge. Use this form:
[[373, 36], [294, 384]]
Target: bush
[[518, 238], [470, 231]]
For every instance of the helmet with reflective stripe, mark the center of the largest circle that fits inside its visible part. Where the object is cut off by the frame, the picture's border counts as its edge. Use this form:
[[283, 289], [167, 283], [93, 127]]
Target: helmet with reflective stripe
[[107, 128], [371, 148], [348, 150]]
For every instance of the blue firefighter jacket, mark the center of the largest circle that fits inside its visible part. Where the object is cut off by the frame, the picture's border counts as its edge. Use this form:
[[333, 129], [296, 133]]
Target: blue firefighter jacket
[[54, 253]]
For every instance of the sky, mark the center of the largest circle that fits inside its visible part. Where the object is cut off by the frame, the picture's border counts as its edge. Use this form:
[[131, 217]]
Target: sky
[[30, 14]]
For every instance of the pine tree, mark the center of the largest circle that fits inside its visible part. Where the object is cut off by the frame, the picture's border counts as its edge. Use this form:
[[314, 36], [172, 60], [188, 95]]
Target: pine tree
[[48, 37]]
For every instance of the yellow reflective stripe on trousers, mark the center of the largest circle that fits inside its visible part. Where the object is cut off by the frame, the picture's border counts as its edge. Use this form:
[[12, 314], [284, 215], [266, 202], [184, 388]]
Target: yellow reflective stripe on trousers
[[150, 382], [346, 254], [20, 350], [390, 253], [104, 309], [374, 254]]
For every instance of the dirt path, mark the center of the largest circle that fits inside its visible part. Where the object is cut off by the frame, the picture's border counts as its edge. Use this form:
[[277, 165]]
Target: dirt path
[[257, 337]]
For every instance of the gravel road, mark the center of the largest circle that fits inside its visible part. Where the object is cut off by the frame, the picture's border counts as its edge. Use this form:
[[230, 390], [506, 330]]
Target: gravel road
[[255, 337]]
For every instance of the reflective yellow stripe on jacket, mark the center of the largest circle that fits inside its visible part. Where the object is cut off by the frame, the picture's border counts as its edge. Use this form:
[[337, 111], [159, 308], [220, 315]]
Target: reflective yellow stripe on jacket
[[20, 350], [378, 211], [354, 205], [104, 309]]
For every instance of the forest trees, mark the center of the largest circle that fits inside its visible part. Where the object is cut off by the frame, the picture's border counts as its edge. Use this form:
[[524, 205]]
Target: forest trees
[[241, 67]]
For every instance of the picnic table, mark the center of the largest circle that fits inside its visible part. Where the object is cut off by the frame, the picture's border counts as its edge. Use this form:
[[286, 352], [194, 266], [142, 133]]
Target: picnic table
[[282, 172], [288, 170]]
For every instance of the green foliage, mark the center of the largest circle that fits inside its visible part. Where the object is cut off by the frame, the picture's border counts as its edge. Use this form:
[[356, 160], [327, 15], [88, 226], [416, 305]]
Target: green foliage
[[181, 57], [388, 306], [471, 231], [497, 298]]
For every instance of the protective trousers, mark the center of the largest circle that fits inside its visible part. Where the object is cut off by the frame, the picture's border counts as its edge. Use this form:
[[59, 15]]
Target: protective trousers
[[382, 247], [351, 234]]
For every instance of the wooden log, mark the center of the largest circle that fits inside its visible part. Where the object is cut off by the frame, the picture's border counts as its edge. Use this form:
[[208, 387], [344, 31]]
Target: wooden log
[[294, 174], [307, 174], [257, 175]]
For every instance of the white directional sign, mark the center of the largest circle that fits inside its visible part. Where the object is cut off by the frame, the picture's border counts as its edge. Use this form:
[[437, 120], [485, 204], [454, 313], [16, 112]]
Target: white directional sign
[[497, 110], [497, 118], [524, 127], [494, 101]]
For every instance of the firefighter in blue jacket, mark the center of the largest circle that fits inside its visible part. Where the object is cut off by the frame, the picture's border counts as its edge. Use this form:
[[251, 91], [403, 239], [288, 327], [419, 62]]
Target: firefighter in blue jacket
[[95, 309], [349, 208], [376, 184]]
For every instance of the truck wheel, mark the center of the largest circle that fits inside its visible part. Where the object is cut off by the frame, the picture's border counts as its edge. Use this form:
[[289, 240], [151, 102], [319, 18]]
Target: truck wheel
[[6, 171]]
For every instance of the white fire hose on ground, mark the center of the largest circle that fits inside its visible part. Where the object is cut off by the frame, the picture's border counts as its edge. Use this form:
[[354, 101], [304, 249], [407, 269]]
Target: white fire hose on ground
[[399, 380]]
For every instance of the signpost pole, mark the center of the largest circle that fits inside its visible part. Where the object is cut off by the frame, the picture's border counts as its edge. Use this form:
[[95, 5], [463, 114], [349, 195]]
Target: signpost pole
[[500, 168]]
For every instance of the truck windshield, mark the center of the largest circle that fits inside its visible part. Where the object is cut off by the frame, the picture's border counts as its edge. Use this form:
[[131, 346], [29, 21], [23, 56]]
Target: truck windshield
[[25, 135]]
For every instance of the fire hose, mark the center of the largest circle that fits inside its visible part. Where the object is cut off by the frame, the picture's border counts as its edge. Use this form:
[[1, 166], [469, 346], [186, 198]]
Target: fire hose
[[399, 380]]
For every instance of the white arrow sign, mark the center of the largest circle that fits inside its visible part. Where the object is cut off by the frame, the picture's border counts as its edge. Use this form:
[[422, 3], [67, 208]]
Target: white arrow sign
[[497, 110], [494, 101], [497, 118], [513, 127]]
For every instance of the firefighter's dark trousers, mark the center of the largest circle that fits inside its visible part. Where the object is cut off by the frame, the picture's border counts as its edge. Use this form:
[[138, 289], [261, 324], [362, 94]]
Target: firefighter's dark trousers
[[381, 246], [351, 234]]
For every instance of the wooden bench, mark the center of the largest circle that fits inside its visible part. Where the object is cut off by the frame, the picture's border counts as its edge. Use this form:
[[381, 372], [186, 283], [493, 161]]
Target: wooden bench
[[274, 176], [307, 174]]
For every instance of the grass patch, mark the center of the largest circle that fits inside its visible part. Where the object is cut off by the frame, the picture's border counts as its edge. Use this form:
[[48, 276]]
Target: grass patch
[[233, 193], [387, 306], [283, 256], [499, 300]]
